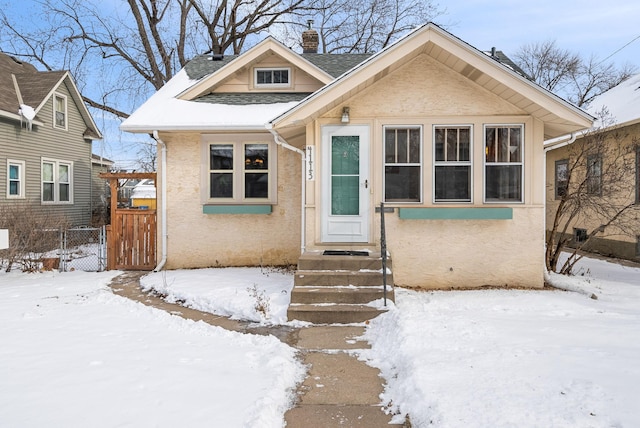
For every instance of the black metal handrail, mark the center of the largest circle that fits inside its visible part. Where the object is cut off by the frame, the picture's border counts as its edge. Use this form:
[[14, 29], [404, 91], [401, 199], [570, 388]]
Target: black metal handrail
[[383, 252]]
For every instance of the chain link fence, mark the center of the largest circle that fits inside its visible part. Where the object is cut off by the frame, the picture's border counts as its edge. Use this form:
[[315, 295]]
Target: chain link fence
[[83, 248]]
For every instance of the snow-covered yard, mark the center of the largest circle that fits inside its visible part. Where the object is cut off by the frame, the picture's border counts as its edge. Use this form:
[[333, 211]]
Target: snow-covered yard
[[74, 354]]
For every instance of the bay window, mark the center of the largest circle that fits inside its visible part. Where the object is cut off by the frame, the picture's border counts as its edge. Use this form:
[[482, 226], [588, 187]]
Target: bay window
[[504, 165]]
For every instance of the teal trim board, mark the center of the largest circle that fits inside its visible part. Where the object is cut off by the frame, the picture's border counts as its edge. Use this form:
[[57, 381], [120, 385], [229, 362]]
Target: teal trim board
[[456, 213], [236, 209]]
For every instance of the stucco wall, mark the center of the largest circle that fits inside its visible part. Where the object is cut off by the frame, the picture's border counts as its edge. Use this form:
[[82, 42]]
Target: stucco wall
[[201, 240], [445, 253], [468, 253]]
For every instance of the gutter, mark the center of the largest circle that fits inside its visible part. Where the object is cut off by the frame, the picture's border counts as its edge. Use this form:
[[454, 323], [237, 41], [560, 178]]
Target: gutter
[[163, 209], [303, 186]]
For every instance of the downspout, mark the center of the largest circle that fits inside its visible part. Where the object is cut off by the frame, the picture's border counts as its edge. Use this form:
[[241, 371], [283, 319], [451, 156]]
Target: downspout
[[163, 204], [571, 139], [303, 186]]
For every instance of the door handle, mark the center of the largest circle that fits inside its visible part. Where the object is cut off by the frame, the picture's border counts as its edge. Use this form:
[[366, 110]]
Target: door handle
[[366, 184]]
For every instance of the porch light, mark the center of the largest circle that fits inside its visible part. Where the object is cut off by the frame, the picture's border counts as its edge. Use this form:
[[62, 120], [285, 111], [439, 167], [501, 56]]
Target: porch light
[[345, 115]]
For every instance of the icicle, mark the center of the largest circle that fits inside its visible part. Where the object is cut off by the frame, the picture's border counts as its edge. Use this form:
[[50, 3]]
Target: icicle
[[28, 113]]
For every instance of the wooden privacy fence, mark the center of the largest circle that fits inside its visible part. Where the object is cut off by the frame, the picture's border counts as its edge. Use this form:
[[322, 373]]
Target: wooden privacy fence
[[131, 236]]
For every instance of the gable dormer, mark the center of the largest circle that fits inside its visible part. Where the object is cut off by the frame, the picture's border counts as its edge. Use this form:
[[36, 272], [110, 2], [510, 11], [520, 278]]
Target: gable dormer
[[269, 67]]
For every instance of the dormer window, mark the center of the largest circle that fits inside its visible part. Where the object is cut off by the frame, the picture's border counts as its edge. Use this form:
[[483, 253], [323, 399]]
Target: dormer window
[[60, 111], [272, 77]]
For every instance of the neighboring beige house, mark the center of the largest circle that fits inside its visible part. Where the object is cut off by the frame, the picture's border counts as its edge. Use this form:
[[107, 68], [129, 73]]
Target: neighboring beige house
[[46, 133], [272, 154], [623, 103]]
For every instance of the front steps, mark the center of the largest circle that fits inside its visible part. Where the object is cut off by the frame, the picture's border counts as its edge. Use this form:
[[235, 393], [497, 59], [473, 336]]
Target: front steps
[[339, 288]]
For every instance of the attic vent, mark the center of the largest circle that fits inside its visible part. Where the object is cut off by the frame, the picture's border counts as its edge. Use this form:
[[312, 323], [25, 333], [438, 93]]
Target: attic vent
[[217, 57]]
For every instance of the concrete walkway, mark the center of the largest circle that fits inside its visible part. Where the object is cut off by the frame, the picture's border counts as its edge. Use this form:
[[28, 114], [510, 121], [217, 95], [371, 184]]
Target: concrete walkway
[[339, 391]]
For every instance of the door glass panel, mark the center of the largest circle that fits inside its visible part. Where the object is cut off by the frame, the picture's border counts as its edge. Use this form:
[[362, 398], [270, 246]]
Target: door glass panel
[[345, 175]]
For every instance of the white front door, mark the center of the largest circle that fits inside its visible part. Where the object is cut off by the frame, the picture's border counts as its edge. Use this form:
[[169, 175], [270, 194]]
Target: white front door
[[345, 183]]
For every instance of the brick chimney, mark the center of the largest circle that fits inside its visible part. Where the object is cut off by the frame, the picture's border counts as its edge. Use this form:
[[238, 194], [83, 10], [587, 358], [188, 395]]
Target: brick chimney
[[310, 39]]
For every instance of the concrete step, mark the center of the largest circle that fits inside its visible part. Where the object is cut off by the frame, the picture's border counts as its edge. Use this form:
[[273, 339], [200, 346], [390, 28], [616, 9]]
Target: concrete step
[[340, 277], [332, 313], [328, 294], [317, 261]]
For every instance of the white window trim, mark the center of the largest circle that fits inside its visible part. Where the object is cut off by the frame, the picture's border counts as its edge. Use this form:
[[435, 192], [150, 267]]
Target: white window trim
[[484, 162], [441, 163], [422, 164], [66, 111], [21, 178], [271, 85], [238, 142], [56, 181]]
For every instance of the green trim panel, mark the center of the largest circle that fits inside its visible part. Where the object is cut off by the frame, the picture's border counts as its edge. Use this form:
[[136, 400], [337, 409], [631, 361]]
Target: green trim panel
[[456, 213], [236, 209]]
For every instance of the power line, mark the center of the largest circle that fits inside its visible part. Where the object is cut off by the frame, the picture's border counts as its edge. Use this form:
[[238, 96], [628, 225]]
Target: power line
[[615, 52]]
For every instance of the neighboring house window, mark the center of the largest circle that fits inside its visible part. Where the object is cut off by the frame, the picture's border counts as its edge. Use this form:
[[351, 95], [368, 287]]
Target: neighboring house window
[[402, 166], [504, 163], [579, 235], [562, 177], [594, 174], [241, 172], [452, 146], [60, 111], [272, 77], [15, 179], [57, 181]]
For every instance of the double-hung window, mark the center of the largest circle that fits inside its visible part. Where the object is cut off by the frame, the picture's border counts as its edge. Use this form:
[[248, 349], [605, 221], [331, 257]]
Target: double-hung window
[[561, 178], [594, 174], [60, 111], [402, 164], [15, 179], [241, 172], [452, 156], [504, 165], [272, 77], [57, 182]]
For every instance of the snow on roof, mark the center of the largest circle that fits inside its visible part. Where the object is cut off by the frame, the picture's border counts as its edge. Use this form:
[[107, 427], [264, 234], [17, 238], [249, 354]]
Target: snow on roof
[[163, 111], [622, 101]]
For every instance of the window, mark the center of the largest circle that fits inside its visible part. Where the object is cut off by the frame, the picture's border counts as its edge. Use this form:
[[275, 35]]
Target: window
[[579, 235], [57, 181], [60, 111], [15, 179], [402, 167], [562, 178], [503, 163], [240, 172], [452, 146], [272, 77], [594, 174]]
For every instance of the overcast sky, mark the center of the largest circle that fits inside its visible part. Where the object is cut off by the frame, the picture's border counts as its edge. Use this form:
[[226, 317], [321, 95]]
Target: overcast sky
[[598, 27]]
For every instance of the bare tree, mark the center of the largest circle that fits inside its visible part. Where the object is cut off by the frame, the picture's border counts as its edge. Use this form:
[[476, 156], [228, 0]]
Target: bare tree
[[136, 47], [366, 26], [147, 158], [595, 182], [568, 74]]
